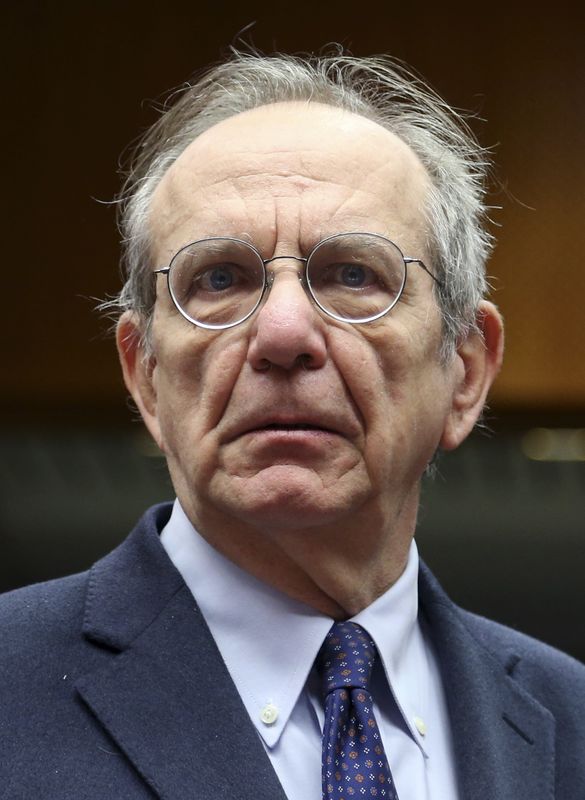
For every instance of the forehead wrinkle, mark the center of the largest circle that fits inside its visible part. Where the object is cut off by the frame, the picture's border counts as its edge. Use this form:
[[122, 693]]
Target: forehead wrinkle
[[248, 177], [282, 184], [399, 174], [213, 169], [300, 225], [183, 203], [405, 190]]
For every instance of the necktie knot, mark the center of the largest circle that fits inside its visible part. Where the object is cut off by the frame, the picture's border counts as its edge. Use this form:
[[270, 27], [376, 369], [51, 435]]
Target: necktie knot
[[346, 658], [353, 762]]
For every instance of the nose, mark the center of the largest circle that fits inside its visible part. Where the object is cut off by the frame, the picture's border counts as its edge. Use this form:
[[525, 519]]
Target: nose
[[287, 330]]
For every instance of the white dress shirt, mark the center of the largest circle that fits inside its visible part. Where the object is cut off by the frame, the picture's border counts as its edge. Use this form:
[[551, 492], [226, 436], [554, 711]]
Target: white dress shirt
[[269, 643]]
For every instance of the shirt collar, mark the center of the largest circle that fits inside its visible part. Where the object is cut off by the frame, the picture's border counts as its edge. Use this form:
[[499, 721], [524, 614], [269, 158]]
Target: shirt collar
[[392, 622], [269, 641]]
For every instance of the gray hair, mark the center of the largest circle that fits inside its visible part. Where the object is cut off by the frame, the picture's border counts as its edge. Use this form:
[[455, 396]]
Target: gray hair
[[377, 88]]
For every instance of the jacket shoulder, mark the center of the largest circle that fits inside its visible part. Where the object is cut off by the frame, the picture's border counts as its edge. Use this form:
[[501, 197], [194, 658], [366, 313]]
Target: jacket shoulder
[[42, 609], [41, 644], [548, 671], [549, 676], [518, 653], [51, 616]]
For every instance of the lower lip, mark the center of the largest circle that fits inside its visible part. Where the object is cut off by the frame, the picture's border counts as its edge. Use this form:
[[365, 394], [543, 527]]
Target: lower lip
[[290, 435], [291, 430], [273, 446]]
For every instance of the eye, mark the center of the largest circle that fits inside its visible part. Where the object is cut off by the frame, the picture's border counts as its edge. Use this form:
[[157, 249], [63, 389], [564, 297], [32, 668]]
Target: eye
[[353, 276], [218, 278], [350, 276]]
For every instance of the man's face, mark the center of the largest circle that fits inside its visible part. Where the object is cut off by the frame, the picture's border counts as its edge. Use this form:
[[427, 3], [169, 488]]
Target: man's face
[[292, 419]]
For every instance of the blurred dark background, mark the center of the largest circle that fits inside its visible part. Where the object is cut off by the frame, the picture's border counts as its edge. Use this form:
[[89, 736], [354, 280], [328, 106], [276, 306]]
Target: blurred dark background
[[502, 523]]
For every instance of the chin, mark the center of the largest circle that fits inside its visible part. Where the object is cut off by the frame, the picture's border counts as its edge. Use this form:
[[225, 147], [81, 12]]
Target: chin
[[287, 502], [286, 519]]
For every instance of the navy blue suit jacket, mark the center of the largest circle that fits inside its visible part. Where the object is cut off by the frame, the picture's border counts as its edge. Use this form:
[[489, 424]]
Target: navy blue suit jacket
[[109, 680]]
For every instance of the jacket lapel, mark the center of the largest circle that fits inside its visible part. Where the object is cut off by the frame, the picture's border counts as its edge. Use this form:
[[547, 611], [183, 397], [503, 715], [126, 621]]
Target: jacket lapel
[[165, 695], [503, 738]]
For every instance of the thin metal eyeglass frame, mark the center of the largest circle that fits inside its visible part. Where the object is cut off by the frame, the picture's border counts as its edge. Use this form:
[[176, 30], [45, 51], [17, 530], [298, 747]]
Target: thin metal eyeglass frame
[[304, 279]]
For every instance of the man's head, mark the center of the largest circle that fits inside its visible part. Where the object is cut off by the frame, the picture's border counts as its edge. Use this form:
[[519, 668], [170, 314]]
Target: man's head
[[295, 439], [375, 88]]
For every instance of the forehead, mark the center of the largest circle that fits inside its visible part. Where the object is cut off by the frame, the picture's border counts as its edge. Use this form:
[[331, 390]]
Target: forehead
[[299, 170]]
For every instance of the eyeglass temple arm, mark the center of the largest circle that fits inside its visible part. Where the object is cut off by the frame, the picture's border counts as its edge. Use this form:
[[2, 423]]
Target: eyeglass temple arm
[[424, 266], [161, 271]]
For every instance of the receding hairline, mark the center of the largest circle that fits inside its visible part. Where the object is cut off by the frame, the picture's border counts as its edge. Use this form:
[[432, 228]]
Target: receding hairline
[[243, 130]]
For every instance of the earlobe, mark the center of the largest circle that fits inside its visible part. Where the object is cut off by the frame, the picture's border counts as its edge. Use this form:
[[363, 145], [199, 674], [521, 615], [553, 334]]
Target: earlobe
[[138, 369], [480, 358]]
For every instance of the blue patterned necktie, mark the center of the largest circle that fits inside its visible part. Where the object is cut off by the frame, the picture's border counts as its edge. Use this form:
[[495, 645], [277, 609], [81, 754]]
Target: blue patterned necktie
[[354, 762]]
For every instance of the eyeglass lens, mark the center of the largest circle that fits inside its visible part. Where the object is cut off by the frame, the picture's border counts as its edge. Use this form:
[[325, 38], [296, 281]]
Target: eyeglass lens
[[354, 277]]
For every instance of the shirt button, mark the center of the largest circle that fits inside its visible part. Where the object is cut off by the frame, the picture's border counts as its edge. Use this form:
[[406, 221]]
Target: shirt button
[[420, 726], [269, 714]]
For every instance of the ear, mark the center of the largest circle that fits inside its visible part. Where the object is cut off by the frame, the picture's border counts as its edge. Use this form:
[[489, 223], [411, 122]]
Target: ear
[[479, 357], [138, 368]]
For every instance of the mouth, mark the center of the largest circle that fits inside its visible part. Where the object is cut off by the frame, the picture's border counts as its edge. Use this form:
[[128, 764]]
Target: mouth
[[292, 426], [289, 428]]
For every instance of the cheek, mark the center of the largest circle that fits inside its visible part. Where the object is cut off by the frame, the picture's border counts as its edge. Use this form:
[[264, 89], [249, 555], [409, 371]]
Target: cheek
[[194, 377], [375, 369], [401, 391]]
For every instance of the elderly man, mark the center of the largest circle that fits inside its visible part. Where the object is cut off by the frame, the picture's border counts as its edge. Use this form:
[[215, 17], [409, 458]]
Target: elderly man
[[303, 328]]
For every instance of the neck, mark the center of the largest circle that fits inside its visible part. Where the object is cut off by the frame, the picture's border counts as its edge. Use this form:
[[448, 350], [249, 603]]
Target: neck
[[337, 569]]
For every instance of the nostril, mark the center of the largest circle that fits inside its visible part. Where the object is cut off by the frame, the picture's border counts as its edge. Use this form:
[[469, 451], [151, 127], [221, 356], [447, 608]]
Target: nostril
[[304, 360]]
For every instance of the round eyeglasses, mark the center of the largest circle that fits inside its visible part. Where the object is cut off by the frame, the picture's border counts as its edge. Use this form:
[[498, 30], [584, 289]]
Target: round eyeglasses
[[219, 282]]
